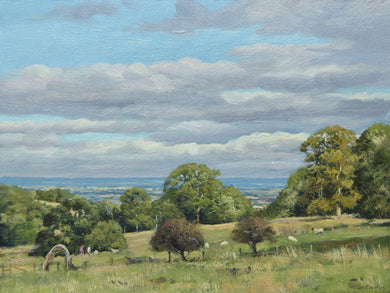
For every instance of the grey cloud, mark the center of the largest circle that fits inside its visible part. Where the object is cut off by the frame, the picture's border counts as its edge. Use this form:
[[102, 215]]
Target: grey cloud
[[93, 91], [81, 12], [308, 68], [37, 131], [146, 158], [129, 3], [346, 20], [189, 14], [201, 131], [172, 95]]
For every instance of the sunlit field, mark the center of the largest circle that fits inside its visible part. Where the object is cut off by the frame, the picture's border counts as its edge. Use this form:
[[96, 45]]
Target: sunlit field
[[351, 256]]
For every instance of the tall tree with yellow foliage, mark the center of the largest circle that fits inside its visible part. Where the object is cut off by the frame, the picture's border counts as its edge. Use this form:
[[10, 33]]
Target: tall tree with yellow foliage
[[329, 185]]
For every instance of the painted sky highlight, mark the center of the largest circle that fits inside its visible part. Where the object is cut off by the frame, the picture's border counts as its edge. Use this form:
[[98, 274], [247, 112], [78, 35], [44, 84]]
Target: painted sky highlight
[[134, 88]]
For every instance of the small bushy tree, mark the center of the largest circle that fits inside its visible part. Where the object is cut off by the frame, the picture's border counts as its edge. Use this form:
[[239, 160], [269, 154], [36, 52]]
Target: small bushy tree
[[177, 236], [252, 231]]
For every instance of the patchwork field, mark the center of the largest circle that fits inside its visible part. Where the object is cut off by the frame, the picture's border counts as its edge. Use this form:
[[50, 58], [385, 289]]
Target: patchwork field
[[351, 256]]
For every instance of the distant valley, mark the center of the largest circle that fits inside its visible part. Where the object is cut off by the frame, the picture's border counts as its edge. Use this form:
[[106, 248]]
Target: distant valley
[[259, 190]]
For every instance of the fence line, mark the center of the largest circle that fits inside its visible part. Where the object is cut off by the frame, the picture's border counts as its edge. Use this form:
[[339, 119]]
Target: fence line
[[7, 269], [11, 267]]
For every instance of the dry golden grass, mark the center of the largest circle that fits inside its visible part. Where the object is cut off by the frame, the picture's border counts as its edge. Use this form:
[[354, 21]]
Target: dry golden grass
[[301, 225], [333, 269]]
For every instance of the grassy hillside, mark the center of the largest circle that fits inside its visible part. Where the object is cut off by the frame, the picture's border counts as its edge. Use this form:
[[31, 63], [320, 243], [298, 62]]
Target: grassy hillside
[[351, 256]]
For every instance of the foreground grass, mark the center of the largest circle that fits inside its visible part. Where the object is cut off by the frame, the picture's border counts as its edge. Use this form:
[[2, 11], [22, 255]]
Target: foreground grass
[[351, 256]]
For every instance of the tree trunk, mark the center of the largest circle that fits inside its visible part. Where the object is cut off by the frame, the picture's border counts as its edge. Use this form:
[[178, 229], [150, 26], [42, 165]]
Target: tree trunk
[[254, 249], [183, 256], [338, 211]]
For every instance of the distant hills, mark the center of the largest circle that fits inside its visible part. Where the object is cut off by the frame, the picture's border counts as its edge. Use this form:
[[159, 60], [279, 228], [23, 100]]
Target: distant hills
[[111, 188]]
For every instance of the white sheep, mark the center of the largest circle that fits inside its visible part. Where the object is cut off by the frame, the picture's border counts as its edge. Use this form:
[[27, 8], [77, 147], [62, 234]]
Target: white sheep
[[292, 238], [224, 243], [318, 230], [115, 251], [206, 245]]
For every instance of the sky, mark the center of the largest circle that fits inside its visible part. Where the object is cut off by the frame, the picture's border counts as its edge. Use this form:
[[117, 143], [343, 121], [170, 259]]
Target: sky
[[136, 88]]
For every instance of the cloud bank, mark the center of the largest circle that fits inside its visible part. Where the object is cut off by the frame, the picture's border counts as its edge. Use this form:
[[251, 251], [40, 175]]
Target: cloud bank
[[246, 116]]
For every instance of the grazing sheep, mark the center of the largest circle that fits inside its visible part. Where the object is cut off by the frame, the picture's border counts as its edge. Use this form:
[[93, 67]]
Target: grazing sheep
[[224, 243], [318, 230], [115, 251], [206, 245], [96, 252], [292, 238]]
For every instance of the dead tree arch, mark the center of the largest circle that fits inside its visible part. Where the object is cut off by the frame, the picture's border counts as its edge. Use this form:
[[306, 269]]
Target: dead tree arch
[[58, 248]]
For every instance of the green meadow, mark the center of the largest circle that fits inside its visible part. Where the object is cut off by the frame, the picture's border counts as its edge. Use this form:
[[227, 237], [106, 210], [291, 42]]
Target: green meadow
[[351, 256]]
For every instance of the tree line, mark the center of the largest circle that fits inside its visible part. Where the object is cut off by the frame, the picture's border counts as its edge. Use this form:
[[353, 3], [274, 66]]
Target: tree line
[[344, 173], [49, 217]]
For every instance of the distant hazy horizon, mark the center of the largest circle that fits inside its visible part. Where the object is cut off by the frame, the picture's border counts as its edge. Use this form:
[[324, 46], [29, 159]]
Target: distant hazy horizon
[[120, 181], [111, 188]]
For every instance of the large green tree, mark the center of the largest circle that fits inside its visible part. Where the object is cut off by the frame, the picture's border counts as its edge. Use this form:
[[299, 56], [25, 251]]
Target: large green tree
[[106, 235], [163, 210], [372, 174], [329, 184], [195, 190], [229, 206], [192, 188], [137, 209]]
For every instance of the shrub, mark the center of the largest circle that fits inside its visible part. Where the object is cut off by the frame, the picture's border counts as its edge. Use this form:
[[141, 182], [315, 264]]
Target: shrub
[[251, 231], [177, 236]]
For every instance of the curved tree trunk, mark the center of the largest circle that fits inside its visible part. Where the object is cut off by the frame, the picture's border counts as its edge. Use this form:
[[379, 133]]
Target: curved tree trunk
[[254, 248], [183, 256], [52, 253]]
